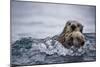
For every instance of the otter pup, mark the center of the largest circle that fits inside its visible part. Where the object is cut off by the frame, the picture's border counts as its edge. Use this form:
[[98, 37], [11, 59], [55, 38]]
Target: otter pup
[[72, 35]]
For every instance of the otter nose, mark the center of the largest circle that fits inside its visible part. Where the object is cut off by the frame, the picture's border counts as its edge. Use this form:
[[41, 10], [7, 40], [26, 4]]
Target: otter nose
[[73, 27]]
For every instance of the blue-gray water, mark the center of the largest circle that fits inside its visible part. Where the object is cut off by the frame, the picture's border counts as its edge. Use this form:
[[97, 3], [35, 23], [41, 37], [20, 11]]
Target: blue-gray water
[[30, 51]]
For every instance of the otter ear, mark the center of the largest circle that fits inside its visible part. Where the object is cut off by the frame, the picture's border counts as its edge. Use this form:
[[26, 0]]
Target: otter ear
[[81, 27]]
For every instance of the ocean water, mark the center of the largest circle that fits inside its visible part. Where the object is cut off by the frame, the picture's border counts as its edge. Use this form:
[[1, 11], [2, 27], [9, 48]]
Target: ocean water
[[30, 51]]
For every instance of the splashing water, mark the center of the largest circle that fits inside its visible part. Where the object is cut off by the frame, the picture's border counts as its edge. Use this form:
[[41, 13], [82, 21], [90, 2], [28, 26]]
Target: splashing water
[[49, 50]]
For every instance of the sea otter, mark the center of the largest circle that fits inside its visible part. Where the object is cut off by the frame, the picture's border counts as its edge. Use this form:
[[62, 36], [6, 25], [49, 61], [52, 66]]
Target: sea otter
[[72, 35]]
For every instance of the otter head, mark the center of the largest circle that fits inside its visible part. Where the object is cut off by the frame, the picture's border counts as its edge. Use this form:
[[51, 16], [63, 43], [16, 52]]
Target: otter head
[[73, 25], [72, 34]]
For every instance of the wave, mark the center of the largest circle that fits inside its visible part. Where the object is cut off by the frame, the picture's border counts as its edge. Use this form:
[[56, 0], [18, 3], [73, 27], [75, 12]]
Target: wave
[[27, 51]]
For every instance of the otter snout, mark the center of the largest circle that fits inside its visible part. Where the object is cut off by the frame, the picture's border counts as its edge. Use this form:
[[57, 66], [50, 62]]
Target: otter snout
[[73, 27]]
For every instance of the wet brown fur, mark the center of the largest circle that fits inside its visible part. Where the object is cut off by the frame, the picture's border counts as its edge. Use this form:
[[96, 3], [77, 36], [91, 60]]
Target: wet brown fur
[[72, 35]]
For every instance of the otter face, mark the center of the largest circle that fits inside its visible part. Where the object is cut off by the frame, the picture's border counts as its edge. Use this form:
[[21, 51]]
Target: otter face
[[74, 26]]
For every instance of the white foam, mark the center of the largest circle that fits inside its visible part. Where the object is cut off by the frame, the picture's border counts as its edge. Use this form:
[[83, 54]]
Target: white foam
[[58, 48], [39, 51]]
